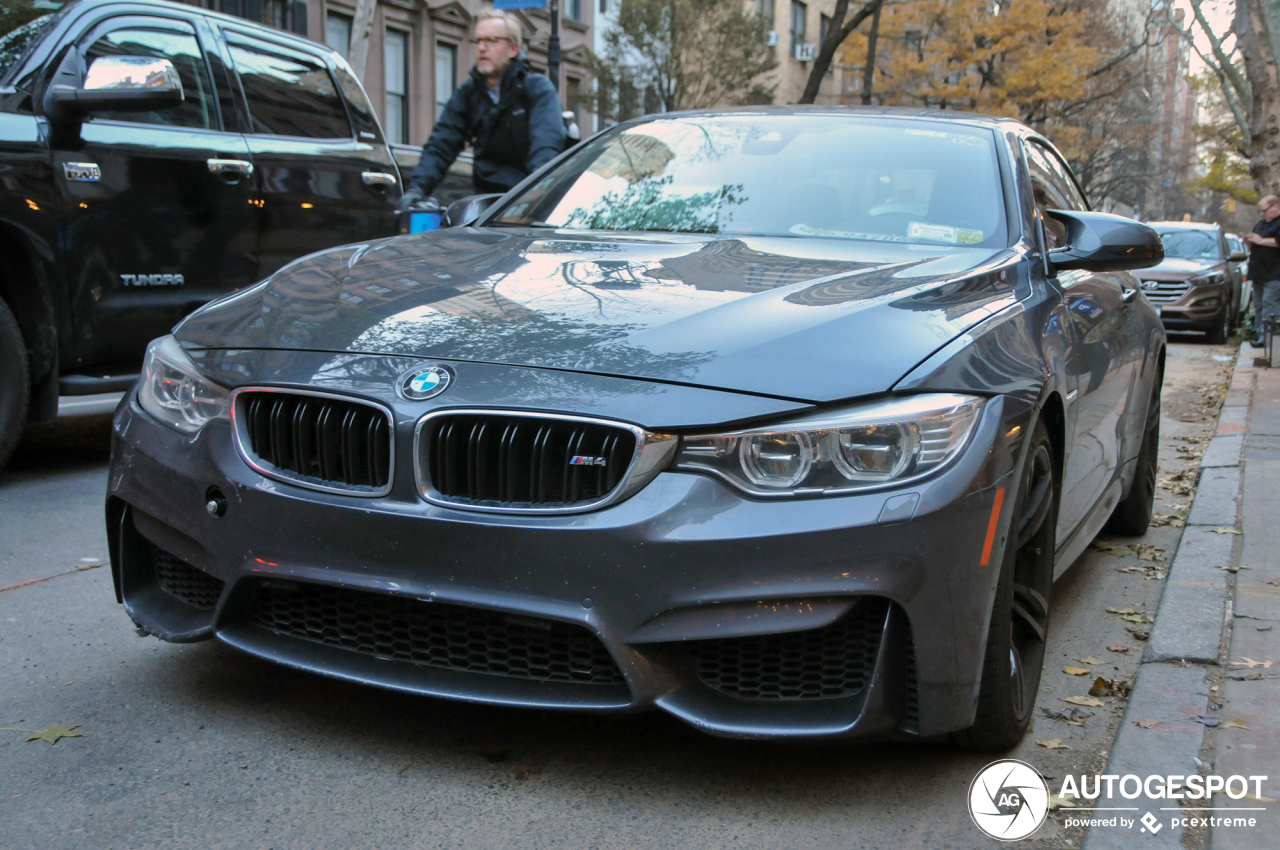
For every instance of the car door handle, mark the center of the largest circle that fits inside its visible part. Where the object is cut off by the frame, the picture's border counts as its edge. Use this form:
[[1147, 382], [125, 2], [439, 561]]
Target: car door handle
[[378, 179], [231, 167], [1128, 295]]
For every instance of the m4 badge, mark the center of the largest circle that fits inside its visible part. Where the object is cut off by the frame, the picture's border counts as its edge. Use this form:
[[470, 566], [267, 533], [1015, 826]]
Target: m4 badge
[[584, 460]]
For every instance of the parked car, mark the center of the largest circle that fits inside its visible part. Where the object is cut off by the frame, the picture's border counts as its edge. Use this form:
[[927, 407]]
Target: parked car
[[1196, 287], [1238, 259], [154, 156], [706, 416]]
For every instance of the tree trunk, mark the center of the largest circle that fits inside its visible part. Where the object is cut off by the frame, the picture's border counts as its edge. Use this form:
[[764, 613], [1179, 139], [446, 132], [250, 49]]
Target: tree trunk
[[869, 70], [1255, 39], [361, 29]]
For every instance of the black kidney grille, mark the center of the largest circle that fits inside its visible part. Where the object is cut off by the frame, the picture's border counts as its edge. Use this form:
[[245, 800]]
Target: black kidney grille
[[434, 633], [328, 440], [183, 581], [833, 661], [519, 461]]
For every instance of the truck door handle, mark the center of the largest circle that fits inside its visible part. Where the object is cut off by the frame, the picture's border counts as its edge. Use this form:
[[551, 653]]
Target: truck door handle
[[228, 168], [1128, 295], [378, 179]]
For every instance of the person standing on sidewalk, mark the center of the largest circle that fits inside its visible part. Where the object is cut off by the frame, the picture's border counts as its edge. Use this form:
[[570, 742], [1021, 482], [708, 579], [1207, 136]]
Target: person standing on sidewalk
[[510, 115], [1264, 264]]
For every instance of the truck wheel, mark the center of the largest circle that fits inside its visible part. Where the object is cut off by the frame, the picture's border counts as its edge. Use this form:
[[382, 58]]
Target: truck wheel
[[1133, 515], [15, 383], [1020, 616]]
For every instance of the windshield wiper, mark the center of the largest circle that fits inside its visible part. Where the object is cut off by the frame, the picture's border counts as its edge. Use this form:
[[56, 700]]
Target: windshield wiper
[[524, 224]]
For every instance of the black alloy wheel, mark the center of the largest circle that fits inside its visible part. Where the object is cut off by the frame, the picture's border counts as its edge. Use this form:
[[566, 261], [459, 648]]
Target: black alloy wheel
[[15, 388], [1132, 515], [1020, 614]]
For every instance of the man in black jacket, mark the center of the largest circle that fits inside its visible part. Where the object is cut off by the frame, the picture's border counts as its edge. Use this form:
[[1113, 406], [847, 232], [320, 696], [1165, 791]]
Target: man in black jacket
[[510, 114]]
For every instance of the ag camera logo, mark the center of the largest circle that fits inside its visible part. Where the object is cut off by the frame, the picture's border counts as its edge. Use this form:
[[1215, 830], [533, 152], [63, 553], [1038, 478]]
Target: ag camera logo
[[1008, 800], [425, 383]]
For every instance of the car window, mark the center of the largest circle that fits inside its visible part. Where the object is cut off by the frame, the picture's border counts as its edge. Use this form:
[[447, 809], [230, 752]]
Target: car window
[[1191, 245], [361, 111], [1059, 174], [163, 41], [288, 93], [1048, 192], [838, 177]]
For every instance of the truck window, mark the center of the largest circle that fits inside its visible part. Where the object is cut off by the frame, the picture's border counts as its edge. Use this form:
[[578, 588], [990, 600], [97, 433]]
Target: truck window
[[182, 49], [287, 94]]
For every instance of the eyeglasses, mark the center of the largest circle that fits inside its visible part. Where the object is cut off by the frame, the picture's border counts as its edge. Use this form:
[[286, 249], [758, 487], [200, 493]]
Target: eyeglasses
[[1263, 209], [490, 40]]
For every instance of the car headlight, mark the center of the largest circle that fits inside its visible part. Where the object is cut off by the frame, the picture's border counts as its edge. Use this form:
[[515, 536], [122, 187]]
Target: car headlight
[[876, 445], [1205, 279], [174, 391]]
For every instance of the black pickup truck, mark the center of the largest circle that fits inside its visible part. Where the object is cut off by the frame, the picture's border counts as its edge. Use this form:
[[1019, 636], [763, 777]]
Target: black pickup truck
[[154, 156]]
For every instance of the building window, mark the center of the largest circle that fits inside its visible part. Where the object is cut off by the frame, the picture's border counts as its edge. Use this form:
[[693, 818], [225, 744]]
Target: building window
[[573, 9], [446, 75], [337, 33], [395, 52], [604, 7], [764, 13], [824, 27], [275, 13], [573, 91], [799, 14]]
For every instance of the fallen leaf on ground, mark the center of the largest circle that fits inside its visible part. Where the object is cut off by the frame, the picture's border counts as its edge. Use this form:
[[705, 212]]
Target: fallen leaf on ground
[[524, 771], [1056, 802], [1121, 649], [1146, 724], [1147, 552], [1121, 611], [1250, 663], [53, 733], [1232, 569], [1054, 744], [1224, 530], [1089, 701], [1075, 671], [1160, 520], [1207, 719], [88, 565], [1138, 634], [1275, 581], [1071, 716], [1264, 628], [1233, 724], [1104, 546], [1110, 687], [1089, 659], [1140, 617]]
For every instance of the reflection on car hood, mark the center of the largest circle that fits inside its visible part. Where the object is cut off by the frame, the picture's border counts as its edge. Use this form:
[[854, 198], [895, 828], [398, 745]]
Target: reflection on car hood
[[811, 319], [1176, 268]]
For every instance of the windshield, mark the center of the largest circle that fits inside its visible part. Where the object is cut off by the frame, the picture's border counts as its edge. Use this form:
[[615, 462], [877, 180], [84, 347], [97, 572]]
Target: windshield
[[1191, 245], [22, 23], [800, 175]]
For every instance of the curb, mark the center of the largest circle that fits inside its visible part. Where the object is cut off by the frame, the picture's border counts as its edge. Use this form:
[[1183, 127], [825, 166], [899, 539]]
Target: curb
[[1193, 615]]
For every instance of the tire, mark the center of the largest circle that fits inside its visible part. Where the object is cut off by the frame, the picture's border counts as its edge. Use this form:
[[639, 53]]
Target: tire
[[1132, 516], [1020, 614], [15, 383], [1221, 329]]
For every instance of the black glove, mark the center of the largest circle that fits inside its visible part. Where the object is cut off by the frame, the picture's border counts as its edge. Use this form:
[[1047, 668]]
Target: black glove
[[409, 198]]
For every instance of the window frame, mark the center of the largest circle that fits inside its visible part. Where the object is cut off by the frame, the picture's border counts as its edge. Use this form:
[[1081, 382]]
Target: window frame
[[406, 82], [798, 36], [451, 49]]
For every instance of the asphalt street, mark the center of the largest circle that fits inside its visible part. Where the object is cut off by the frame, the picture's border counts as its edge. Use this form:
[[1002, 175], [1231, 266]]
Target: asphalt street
[[199, 746]]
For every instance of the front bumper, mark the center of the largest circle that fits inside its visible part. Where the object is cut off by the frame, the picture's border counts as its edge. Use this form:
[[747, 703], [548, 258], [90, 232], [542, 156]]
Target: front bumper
[[683, 566], [1191, 312]]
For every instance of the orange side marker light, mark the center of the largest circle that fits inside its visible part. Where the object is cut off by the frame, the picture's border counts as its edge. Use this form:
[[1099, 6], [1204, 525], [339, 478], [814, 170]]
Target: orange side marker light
[[991, 528]]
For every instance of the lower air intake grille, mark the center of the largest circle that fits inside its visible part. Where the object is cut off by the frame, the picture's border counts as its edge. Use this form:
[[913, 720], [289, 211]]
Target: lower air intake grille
[[179, 579], [434, 633], [317, 439], [833, 661], [497, 460]]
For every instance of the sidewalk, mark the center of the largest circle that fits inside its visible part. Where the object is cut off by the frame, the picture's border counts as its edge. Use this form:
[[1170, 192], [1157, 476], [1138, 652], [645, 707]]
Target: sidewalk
[[1219, 614]]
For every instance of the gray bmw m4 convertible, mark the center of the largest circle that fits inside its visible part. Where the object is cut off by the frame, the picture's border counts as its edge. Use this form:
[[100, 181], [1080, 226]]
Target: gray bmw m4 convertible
[[782, 421]]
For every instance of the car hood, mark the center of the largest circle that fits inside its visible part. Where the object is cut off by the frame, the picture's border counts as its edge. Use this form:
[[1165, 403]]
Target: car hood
[[810, 319], [1176, 268]]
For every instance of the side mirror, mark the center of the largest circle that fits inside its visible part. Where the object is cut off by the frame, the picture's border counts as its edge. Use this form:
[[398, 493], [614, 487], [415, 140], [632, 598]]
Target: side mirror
[[1101, 242], [466, 210], [1238, 256], [117, 84]]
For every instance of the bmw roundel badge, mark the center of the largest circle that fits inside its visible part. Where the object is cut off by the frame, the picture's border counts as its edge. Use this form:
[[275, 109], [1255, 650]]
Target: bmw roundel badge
[[425, 383]]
